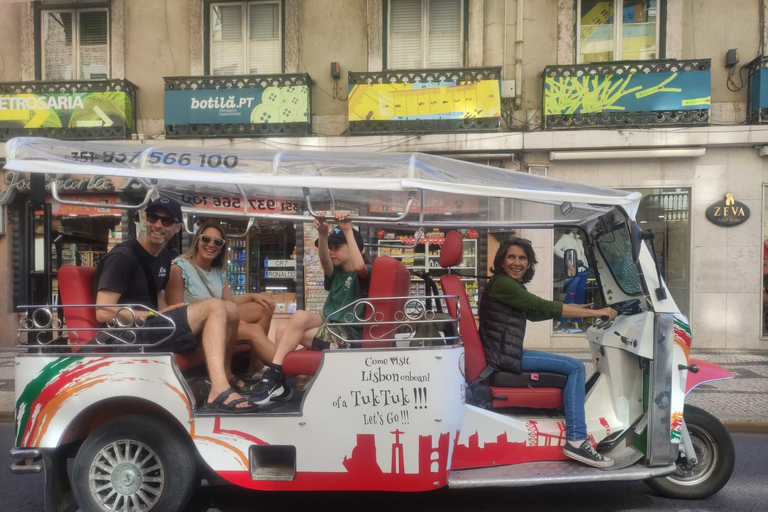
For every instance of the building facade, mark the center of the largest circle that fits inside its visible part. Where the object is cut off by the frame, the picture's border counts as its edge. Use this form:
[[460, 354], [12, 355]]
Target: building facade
[[632, 94]]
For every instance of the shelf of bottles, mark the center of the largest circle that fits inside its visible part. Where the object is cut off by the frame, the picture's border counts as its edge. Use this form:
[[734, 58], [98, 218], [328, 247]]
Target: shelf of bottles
[[237, 263], [425, 259]]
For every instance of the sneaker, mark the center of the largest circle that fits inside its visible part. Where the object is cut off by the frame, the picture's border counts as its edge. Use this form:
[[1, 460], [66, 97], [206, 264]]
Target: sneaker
[[587, 454], [270, 389]]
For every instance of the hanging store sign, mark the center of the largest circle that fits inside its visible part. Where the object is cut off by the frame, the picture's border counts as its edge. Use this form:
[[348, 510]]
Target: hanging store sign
[[425, 100], [280, 263], [627, 92], [280, 274], [252, 105], [20, 182], [728, 212], [66, 110]]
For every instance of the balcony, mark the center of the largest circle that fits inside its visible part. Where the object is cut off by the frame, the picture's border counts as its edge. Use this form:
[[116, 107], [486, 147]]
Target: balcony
[[88, 109], [627, 94], [238, 106], [424, 101], [757, 91]]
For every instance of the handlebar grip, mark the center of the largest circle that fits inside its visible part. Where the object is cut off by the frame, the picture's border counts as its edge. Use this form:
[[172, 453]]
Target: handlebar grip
[[605, 318]]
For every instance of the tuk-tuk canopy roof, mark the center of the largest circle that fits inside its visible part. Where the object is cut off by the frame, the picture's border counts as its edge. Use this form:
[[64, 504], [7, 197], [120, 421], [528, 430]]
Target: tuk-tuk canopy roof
[[352, 175]]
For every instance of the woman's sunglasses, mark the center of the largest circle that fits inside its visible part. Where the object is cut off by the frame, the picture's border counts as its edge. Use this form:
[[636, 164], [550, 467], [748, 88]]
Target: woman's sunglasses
[[167, 221], [218, 242]]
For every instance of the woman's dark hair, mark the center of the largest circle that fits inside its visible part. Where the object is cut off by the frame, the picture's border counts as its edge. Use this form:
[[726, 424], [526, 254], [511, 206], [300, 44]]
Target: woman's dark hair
[[525, 245]]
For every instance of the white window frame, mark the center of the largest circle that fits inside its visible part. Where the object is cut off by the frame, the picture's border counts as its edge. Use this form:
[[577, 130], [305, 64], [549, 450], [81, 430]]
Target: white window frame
[[246, 32], [618, 25], [425, 33], [76, 40]]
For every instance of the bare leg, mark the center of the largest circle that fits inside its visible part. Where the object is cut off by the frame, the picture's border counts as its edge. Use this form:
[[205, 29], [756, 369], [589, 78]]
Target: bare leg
[[261, 345], [254, 312], [212, 318], [294, 334]]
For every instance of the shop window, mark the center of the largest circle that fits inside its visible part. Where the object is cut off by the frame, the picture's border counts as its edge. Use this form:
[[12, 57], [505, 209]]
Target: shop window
[[666, 211], [765, 264], [610, 30], [264, 261], [425, 34], [246, 38], [74, 44]]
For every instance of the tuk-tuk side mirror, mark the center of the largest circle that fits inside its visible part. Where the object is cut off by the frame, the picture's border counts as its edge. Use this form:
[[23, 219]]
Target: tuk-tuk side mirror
[[570, 260]]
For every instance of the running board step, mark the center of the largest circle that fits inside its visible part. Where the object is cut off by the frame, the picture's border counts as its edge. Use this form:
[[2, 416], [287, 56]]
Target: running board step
[[550, 472]]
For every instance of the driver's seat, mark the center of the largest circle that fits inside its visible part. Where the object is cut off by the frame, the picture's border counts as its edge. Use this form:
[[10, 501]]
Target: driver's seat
[[536, 390]]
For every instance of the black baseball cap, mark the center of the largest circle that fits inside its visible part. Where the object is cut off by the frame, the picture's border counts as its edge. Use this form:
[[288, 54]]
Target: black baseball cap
[[336, 236], [169, 204]]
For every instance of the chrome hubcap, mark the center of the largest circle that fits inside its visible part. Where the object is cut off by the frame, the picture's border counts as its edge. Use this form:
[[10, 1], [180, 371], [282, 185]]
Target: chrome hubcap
[[126, 476], [707, 455]]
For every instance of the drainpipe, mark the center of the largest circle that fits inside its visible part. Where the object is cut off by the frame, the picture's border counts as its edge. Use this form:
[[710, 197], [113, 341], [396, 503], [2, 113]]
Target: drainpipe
[[519, 57], [504, 46]]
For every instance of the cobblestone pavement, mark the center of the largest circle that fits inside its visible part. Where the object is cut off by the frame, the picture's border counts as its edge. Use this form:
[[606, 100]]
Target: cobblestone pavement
[[742, 399]]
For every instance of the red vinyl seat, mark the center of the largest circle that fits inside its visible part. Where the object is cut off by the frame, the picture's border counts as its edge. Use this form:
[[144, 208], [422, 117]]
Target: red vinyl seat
[[75, 288], [526, 392], [389, 278]]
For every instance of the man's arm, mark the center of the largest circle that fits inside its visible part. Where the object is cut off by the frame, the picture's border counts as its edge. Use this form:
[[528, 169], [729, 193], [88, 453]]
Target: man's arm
[[104, 314]]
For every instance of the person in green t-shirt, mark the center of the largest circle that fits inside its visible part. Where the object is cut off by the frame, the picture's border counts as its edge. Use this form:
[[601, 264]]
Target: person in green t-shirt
[[347, 274]]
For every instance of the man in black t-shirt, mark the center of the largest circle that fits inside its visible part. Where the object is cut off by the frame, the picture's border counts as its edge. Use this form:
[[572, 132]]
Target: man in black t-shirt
[[136, 271]]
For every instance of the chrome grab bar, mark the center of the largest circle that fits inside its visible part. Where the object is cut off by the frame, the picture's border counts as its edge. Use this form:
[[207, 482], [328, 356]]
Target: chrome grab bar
[[406, 210], [132, 207]]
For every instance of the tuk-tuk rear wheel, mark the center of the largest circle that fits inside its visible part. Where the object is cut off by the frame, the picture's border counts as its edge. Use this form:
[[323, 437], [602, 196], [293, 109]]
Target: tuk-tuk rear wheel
[[134, 463], [716, 457]]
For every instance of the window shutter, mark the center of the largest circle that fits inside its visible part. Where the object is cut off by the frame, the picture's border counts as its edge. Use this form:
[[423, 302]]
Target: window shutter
[[227, 40], [445, 33], [93, 47], [405, 34], [58, 45], [264, 45]]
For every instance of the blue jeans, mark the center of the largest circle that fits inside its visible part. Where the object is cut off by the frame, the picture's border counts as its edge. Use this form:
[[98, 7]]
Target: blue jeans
[[576, 291], [573, 394]]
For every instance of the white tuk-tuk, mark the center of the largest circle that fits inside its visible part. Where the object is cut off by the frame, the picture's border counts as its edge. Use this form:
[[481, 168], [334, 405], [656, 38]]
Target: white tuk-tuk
[[408, 407]]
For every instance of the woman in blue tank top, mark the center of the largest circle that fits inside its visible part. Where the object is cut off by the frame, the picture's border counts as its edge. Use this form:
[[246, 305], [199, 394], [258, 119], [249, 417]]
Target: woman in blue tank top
[[199, 274]]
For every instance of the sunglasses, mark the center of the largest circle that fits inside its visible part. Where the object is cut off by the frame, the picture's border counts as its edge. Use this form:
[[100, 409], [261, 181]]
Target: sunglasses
[[167, 221], [218, 242]]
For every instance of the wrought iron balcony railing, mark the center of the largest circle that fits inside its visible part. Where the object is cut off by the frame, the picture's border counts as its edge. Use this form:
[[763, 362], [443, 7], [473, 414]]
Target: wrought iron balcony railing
[[238, 106], [627, 94], [86, 109], [420, 101]]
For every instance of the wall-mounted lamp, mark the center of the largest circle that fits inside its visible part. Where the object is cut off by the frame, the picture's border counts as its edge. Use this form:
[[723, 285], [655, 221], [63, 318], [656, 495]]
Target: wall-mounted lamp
[[623, 154]]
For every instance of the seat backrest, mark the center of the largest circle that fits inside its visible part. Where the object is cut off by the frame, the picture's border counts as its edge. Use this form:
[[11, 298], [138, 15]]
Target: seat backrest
[[75, 288], [389, 278], [474, 355]]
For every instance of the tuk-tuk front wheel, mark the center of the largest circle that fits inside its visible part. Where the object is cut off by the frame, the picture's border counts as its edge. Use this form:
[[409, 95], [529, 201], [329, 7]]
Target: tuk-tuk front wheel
[[715, 456], [134, 463]]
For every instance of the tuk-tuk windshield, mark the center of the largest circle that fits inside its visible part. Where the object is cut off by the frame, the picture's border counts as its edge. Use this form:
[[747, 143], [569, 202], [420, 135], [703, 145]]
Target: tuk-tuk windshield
[[616, 248]]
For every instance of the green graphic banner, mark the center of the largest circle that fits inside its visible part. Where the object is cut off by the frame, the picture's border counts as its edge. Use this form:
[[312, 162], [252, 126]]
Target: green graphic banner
[[66, 110]]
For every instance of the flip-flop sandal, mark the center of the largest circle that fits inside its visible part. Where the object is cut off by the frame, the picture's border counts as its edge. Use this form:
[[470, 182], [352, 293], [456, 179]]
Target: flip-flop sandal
[[218, 404], [246, 388]]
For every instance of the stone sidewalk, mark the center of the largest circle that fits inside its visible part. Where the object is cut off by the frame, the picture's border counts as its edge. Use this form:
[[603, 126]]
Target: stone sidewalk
[[741, 403]]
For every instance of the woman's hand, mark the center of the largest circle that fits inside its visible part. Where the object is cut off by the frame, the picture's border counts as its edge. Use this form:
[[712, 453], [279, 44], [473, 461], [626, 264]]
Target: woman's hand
[[320, 225], [609, 312], [341, 219], [265, 301]]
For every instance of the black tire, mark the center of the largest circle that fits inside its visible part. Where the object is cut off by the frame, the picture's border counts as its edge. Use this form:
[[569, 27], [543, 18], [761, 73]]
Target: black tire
[[152, 445], [716, 457]]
